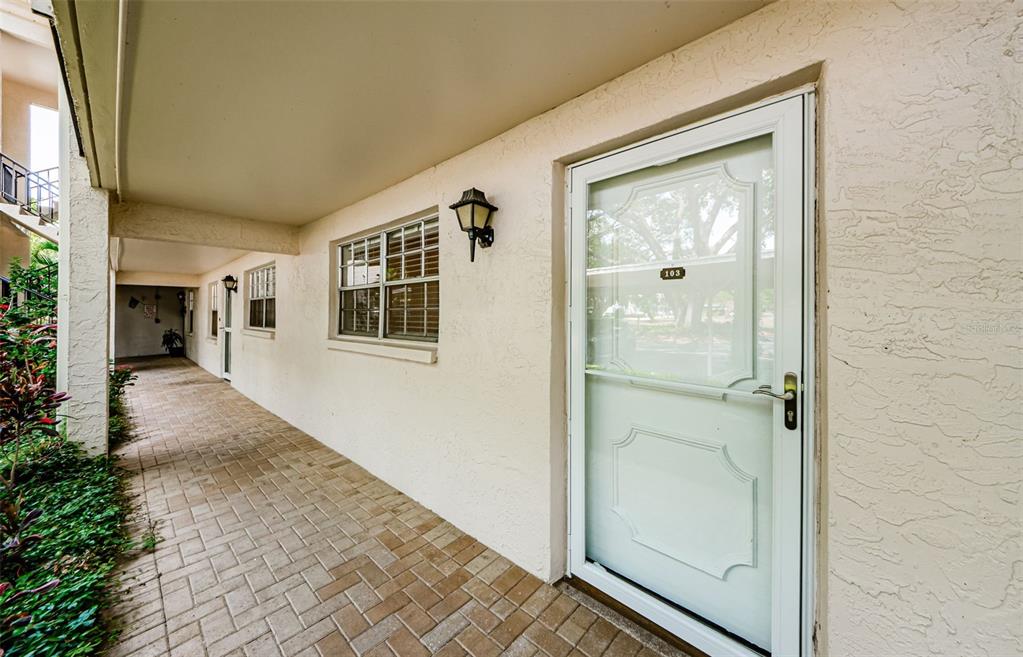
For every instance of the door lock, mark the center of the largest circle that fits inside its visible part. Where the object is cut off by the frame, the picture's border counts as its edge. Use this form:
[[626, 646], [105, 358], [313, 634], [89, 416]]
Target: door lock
[[788, 396]]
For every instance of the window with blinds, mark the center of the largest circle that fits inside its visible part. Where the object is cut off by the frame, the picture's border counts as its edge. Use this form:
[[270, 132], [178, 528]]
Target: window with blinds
[[262, 297], [213, 289], [389, 283]]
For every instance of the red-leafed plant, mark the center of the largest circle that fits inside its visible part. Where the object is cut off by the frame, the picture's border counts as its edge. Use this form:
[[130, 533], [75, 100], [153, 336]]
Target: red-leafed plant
[[8, 596], [28, 408]]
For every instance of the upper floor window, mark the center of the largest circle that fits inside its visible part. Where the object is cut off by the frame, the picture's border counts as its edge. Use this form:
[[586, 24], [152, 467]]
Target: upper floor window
[[213, 289], [262, 297], [389, 283]]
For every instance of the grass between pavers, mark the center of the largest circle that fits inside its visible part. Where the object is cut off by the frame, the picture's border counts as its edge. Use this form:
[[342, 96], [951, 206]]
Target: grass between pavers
[[82, 528]]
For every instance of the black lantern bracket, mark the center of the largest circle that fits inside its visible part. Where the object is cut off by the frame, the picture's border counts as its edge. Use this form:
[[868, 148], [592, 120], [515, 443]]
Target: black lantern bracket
[[230, 283], [485, 237]]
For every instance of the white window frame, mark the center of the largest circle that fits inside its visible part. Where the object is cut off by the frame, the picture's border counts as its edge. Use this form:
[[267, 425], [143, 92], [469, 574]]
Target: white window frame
[[260, 285], [214, 306], [383, 284]]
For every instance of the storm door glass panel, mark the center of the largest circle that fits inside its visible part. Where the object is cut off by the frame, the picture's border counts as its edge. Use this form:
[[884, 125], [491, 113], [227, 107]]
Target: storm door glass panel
[[712, 215]]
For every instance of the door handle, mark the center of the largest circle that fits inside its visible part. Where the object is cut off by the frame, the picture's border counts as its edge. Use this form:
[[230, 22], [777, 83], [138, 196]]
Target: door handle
[[766, 390], [788, 396]]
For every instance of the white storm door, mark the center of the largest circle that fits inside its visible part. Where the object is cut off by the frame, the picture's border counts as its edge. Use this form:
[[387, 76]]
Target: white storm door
[[226, 335], [686, 306]]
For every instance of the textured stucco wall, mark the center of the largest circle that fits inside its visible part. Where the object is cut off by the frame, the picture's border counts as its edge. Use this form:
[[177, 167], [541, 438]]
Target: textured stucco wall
[[920, 196], [83, 297]]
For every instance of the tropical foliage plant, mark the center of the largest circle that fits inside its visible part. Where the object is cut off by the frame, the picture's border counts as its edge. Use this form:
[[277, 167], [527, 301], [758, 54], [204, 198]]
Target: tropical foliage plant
[[62, 512]]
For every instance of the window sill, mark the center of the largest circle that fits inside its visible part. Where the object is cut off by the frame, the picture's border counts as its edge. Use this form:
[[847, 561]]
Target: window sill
[[411, 352], [265, 334], [211, 339]]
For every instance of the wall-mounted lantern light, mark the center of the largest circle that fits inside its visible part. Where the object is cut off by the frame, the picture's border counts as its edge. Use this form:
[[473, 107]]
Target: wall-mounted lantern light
[[230, 283], [474, 212]]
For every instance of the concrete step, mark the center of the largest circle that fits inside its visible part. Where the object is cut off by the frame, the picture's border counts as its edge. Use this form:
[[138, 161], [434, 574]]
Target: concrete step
[[30, 222]]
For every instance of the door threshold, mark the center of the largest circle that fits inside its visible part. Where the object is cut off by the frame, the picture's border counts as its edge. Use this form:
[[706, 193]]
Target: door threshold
[[614, 610]]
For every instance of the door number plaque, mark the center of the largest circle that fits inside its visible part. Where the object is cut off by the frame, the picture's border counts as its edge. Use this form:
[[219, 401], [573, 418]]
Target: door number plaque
[[673, 273]]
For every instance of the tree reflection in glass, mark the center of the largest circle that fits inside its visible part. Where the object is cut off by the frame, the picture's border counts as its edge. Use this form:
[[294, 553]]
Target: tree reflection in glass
[[712, 213]]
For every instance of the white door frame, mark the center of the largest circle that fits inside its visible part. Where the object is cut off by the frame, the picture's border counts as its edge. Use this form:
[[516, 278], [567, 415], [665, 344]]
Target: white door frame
[[794, 581], [226, 332]]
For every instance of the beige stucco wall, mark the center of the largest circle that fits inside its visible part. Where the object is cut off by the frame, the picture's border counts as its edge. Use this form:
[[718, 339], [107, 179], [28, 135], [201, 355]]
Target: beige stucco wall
[[14, 244], [920, 186], [17, 101]]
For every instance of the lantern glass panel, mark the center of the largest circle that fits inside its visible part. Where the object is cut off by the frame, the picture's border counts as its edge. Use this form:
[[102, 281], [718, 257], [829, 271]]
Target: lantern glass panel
[[465, 213], [481, 216]]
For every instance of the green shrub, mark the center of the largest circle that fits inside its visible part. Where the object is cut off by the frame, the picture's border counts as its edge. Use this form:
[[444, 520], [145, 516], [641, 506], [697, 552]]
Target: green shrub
[[81, 537], [119, 424], [62, 513], [36, 312]]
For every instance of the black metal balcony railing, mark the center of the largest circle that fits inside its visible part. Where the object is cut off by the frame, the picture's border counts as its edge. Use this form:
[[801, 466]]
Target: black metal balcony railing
[[35, 192], [38, 282]]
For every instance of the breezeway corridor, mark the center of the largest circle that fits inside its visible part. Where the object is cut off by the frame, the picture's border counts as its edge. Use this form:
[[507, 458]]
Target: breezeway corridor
[[273, 544]]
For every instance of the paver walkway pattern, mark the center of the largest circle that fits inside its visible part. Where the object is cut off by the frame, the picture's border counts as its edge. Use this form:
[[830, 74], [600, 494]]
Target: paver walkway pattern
[[273, 544]]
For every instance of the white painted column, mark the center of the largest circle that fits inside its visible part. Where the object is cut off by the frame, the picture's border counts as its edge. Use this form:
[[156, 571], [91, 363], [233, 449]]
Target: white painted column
[[83, 295]]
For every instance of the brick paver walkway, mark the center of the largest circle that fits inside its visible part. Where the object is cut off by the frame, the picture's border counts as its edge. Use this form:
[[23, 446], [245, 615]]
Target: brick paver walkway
[[273, 544]]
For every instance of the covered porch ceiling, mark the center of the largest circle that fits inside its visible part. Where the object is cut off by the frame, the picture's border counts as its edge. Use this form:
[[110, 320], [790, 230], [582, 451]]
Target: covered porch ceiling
[[286, 111]]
